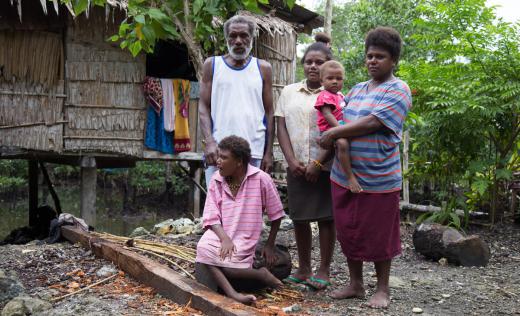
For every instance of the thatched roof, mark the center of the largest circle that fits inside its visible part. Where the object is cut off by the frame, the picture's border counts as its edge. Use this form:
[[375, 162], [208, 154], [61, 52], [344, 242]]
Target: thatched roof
[[118, 4], [279, 19]]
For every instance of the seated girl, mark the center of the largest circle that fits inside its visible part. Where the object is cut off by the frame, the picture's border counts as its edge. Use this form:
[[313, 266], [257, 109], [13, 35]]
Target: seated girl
[[238, 195]]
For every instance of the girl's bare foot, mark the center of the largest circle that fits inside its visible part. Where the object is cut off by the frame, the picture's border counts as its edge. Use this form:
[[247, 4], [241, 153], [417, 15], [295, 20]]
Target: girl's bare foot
[[247, 299], [350, 291], [380, 299], [354, 185]]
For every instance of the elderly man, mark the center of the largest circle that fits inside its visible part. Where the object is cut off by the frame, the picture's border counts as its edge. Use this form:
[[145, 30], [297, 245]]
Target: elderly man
[[236, 97]]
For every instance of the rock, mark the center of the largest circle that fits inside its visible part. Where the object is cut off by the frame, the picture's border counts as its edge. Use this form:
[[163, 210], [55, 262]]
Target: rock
[[10, 286], [435, 241], [183, 226], [292, 309], [163, 228], [198, 229], [417, 310], [170, 226], [139, 231], [443, 261], [47, 294], [25, 305], [106, 271], [398, 283], [446, 295], [286, 224]]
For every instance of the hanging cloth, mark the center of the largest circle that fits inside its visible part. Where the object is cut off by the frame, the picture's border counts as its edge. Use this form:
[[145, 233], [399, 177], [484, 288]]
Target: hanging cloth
[[181, 136], [168, 104], [153, 93], [156, 138]]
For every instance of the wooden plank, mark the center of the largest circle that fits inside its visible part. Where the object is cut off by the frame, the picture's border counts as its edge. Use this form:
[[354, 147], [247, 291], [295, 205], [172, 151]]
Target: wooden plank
[[88, 186], [167, 282], [184, 156], [33, 192]]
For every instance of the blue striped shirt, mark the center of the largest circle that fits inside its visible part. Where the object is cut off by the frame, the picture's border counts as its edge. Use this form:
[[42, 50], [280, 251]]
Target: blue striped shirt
[[375, 157]]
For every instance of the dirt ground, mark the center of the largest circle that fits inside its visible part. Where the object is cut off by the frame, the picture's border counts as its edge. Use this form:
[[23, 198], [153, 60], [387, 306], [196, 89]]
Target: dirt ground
[[51, 271]]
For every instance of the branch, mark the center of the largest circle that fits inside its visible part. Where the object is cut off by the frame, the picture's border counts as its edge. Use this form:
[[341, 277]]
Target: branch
[[194, 50]]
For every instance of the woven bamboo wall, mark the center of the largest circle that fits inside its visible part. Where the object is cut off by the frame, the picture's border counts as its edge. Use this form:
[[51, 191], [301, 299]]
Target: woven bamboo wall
[[279, 49], [31, 89], [105, 106]]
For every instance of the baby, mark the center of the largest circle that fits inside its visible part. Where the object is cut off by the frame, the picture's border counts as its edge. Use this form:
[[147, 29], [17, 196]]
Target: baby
[[330, 114]]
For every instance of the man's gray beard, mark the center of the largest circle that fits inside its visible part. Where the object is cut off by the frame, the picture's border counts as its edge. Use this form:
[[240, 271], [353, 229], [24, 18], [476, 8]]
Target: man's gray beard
[[242, 56]]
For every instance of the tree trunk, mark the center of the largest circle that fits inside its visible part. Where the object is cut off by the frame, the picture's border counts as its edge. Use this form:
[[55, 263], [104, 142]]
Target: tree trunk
[[328, 17], [435, 241]]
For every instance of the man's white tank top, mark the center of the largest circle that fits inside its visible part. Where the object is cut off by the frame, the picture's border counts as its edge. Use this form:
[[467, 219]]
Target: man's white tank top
[[236, 103]]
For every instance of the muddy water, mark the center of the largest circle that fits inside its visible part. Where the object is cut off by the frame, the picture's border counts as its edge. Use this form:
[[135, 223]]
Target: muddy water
[[111, 217]]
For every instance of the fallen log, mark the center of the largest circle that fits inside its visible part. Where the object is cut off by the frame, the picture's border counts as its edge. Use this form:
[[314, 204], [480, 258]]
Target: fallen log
[[436, 241], [167, 282]]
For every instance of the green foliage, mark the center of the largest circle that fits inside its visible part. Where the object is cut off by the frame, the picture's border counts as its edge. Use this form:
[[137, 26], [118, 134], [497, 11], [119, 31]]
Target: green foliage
[[355, 18], [446, 216], [468, 94], [13, 174], [192, 22], [148, 176]]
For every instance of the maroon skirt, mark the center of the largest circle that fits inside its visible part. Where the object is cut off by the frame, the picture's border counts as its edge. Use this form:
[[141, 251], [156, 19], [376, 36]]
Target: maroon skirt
[[367, 224]]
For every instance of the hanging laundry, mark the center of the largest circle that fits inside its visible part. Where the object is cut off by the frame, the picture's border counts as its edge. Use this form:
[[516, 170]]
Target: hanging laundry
[[181, 136], [156, 138], [153, 93], [168, 104]]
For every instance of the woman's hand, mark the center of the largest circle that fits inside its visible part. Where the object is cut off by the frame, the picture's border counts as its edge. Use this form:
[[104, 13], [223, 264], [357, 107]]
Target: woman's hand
[[297, 168], [269, 255], [312, 172], [227, 249], [327, 138]]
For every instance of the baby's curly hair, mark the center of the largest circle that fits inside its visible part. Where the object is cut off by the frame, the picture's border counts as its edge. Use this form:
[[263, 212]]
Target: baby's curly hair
[[386, 38], [238, 147]]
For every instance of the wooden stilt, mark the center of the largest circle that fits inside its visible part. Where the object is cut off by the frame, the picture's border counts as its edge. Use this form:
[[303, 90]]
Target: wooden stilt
[[33, 191], [88, 190]]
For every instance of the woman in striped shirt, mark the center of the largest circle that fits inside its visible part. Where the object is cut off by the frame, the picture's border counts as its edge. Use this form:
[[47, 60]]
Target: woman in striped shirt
[[367, 223], [238, 195]]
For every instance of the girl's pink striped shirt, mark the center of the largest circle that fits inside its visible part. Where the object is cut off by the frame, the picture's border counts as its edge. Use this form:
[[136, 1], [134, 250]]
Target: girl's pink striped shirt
[[240, 216]]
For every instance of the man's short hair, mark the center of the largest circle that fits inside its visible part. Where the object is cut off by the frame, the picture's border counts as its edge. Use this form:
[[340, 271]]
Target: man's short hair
[[240, 19], [331, 64], [238, 147]]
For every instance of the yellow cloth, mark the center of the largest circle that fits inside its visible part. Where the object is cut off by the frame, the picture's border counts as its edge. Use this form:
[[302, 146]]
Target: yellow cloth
[[181, 136]]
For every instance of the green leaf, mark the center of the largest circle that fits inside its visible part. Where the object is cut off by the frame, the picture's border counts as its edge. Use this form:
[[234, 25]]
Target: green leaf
[[197, 6], [80, 6], [504, 174], [135, 48], [113, 38], [140, 19]]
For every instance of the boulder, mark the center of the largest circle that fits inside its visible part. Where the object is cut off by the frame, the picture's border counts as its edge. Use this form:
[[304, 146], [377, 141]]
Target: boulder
[[170, 226], [139, 231], [25, 305], [10, 286], [436, 241]]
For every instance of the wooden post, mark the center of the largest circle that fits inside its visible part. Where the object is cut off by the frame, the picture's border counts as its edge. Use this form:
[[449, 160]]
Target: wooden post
[[196, 194], [33, 191], [406, 182], [88, 190], [195, 174]]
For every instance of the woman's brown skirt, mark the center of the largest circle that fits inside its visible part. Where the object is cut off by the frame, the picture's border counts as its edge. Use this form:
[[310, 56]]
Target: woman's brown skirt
[[309, 201], [367, 224]]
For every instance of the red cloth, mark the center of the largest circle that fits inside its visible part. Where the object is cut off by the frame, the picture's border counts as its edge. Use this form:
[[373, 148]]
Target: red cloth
[[367, 224], [326, 98]]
